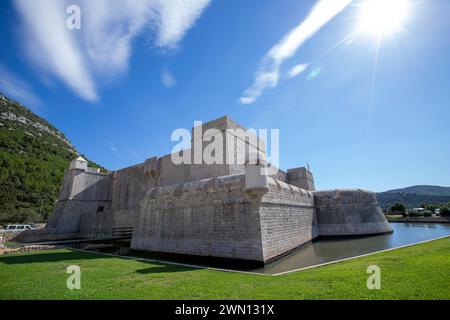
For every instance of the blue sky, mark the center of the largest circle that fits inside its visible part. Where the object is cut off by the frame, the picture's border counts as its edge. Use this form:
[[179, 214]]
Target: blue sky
[[133, 73]]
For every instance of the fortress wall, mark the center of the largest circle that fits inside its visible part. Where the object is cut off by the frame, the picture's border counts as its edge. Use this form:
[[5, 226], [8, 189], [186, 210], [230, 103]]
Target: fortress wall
[[66, 185], [84, 185], [82, 193], [280, 176], [240, 144], [163, 172], [212, 217], [96, 225], [349, 212], [168, 173], [128, 189], [89, 186], [235, 141], [46, 234], [287, 219]]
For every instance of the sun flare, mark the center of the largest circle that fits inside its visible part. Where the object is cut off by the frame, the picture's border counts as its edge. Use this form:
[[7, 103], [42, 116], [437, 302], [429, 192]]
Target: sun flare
[[382, 16]]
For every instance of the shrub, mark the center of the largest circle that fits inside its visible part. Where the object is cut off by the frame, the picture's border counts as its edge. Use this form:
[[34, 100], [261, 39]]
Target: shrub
[[414, 213], [445, 212], [398, 208], [427, 213]]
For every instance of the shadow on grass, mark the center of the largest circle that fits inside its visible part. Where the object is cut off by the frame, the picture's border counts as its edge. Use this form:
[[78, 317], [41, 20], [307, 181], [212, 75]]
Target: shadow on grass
[[164, 268], [49, 256]]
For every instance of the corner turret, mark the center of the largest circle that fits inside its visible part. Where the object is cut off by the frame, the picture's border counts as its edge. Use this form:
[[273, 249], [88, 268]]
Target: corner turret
[[78, 164]]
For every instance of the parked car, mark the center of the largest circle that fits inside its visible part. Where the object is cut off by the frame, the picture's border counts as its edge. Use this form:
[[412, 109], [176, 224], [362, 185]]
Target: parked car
[[19, 227], [437, 211]]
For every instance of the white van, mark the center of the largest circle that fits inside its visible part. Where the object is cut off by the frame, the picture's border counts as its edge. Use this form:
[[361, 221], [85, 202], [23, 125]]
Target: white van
[[19, 227]]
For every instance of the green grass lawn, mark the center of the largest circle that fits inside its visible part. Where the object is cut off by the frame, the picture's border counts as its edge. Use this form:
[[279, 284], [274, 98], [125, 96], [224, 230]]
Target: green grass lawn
[[417, 272]]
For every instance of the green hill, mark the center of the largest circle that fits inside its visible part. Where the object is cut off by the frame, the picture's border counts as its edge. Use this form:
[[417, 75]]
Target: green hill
[[33, 158], [414, 196]]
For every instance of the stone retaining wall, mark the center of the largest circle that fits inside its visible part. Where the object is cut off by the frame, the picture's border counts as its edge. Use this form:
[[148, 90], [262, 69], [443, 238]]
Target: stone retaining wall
[[212, 217], [7, 236], [349, 212], [26, 249]]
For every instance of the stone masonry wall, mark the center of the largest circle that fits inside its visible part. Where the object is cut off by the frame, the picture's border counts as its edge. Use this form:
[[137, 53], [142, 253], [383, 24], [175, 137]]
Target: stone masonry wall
[[128, 189], [349, 212], [87, 192], [212, 217], [287, 219]]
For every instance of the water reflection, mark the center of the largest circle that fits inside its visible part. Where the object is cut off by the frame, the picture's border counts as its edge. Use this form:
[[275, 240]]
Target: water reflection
[[328, 250]]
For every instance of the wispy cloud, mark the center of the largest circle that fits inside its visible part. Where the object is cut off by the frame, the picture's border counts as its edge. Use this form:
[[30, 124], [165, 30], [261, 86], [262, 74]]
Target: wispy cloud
[[103, 46], [268, 74], [175, 17], [53, 47], [113, 148], [168, 79], [13, 86], [296, 70]]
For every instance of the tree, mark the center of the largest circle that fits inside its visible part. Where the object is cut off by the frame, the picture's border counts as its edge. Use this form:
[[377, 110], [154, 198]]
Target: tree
[[445, 212], [399, 208], [433, 207]]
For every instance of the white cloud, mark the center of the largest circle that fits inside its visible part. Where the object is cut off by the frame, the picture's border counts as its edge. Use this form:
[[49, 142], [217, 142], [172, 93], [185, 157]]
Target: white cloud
[[296, 70], [103, 46], [175, 18], [52, 46], [268, 73], [18, 89], [167, 79]]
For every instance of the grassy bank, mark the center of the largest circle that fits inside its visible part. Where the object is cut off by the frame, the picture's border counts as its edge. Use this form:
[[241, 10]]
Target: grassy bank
[[417, 272]]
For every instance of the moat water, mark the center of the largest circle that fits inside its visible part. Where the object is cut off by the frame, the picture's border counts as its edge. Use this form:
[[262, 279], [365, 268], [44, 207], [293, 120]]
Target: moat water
[[327, 250]]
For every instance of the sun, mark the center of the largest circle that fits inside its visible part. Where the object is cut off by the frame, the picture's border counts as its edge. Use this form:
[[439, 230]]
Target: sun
[[381, 17]]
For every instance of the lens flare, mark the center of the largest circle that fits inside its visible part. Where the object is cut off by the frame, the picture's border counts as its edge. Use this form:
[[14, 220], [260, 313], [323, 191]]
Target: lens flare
[[382, 16]]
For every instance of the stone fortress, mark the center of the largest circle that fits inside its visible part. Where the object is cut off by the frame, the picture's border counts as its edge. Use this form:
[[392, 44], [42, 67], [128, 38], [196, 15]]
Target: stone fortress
[[228, 211]]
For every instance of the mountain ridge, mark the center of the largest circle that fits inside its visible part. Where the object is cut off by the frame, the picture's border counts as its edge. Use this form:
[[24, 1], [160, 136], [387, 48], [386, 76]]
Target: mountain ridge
[[423, 189], [414, 196], [33, 158]]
